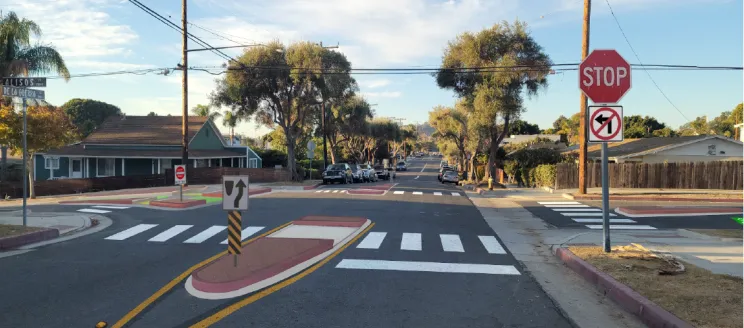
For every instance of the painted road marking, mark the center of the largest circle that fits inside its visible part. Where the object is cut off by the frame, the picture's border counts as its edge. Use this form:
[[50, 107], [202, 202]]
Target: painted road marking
[[411, 242], [418, 193], [584, 214], [423, 168], [455, 194], [559, 203], [398, 192], [600, 220], [131, 231], [492, 245], [567, 206], [170, 233], [206, 234], [451, 243], [247, 232], [93, 210], [436, 193], [111, 207], [373, 240], [418, 176], [319, 191], [622, 227], [326, 191], [428, 267], [335, 191], [577, 209]]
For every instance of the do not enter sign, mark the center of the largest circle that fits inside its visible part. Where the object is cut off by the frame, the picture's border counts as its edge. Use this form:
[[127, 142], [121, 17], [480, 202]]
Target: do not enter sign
[[604, 76], [180, 174], [605, 123]]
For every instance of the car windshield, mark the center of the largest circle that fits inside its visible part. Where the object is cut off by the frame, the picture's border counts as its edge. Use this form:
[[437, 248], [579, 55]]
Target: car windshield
[[450, 173], [354, 168], [378, 167], [401, 163], [337, 167]]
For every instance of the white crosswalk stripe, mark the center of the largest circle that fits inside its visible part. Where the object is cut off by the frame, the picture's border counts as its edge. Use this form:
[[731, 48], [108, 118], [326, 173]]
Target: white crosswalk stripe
[[373, 240], [398, 192], [599, 220], [492, 245], [170, 233], [411, 241], [566, 206], [622, 227], [418, 193], [577, 209], [449, 243], [206, 234], [436, 193], [559, 203], [581, 213], [131, 231], [455, 194], [109, 207], [247, 232], [585, 214], [93, 210]]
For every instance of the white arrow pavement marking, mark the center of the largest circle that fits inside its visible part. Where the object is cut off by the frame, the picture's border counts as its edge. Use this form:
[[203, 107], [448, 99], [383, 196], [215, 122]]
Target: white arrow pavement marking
[[206, 234], [170, 233], [427, 267], [131, 231], [411, 242], [247, 232]]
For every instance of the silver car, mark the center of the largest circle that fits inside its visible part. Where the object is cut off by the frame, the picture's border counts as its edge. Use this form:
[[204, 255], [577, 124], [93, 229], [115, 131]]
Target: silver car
[[369, 173], [450, 176]]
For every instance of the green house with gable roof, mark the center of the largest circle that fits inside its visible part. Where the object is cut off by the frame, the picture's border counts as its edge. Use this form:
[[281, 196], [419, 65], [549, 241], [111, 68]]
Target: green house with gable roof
[[142, 145]]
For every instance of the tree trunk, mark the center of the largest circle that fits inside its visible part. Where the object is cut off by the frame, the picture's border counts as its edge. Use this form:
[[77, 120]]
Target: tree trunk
[[333, 155], [232, 137], [291, 159], [472, 167]]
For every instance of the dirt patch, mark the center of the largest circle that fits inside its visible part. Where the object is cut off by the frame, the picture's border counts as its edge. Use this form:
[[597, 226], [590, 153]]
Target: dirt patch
[[702, 298], [723, 233], [7, 230]]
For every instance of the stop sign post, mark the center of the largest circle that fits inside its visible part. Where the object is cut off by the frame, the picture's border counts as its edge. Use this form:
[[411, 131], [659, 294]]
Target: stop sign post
[[605, 77], [180, 178]]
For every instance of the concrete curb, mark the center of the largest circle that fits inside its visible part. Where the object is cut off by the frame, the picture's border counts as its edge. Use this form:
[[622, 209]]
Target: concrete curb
[[647, 311], [693, 234], [630, 213], [653, 199], [365, 192], [312, 187], [178, 204], [28, 238]]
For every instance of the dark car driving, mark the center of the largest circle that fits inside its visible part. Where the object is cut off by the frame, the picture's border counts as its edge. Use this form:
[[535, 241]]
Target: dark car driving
[[401, 166], [337, 173]]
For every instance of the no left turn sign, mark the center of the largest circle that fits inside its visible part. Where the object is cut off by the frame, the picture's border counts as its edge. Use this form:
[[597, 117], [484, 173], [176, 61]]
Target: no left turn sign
[[605, 123]]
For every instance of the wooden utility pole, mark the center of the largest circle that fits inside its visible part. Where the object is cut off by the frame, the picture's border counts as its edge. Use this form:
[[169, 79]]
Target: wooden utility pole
[[185, 86], [584, 101]]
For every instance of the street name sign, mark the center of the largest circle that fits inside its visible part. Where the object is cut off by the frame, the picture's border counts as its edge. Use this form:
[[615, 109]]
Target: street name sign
[[22, 93], [604, 76], [25, 82], [180, 174], [605, 123], [235, 192]]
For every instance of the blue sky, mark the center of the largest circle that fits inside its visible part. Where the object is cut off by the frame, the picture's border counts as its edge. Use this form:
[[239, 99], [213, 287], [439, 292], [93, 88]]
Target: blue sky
[[112, 35]]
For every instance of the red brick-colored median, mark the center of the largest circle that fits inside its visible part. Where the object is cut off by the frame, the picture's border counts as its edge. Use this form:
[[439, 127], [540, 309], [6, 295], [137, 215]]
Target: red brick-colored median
[[332, 221], [174, 203], [648, 312], [256, 191]]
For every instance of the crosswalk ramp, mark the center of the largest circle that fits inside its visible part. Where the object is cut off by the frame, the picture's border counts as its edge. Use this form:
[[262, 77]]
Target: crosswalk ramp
[[183, 233], [413, 241], [591, 217]]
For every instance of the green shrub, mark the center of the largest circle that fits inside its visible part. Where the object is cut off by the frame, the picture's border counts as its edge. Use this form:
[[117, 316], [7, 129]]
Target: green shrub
[[545, 175]]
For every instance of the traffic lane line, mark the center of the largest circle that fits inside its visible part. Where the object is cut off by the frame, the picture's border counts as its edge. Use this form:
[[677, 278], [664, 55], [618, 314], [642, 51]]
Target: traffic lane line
[[173, 283], [206, 322]]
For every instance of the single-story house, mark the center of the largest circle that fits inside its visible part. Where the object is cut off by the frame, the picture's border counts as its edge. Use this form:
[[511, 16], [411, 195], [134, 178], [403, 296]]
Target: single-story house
[[668, 149], [141, 145]]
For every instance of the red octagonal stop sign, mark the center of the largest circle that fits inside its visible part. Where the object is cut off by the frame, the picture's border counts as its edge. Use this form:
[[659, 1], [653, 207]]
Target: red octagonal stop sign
[[604, 76]]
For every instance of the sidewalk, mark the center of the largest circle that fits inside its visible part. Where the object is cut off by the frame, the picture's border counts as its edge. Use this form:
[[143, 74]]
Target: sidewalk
[[50, 226], [652, 194]]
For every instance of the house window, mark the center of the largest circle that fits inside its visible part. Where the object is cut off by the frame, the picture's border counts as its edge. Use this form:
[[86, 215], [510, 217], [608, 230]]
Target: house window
[[202, 163], [105, 167], [253, 163], [51, 163]]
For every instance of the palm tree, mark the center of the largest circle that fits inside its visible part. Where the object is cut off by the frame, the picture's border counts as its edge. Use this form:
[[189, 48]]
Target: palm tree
[[205, 111], [18, 57], [230, 120]]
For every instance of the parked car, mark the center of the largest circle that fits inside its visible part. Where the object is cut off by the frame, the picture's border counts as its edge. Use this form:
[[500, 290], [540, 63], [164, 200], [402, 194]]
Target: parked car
[[442, 171], [382, 172], [450, 176], [369, 173], [442, 164], [401, 167], [357, 174], [340, 173]]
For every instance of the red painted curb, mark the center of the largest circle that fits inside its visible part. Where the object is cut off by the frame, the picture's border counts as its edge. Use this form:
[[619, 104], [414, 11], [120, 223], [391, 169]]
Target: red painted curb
[[28, 238], [679, 210], [98, 201], [668, 199], [177, 204], [648, 312], [312, 187], [365, 192], [331, 221]]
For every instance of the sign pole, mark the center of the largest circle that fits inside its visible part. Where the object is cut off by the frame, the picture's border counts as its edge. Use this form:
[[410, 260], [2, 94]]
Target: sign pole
[[605, 200], [25, 161], [180, 193]]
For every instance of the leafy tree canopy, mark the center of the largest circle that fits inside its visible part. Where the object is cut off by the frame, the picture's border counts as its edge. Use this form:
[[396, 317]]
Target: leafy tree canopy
[[88, 114]]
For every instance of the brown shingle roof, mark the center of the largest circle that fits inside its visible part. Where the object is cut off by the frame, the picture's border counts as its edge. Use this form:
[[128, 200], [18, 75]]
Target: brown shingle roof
[[143, 130], [80, 151], [636, 146]]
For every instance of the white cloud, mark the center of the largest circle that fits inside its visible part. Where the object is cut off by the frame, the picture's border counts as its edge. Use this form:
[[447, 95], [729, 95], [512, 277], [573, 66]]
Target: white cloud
[[383, 94]]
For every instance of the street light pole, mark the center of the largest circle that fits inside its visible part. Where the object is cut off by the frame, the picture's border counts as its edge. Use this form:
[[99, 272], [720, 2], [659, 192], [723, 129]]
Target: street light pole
[[185, 86]]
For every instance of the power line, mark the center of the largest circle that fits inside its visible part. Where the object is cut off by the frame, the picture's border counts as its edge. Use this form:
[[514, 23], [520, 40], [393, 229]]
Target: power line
[[218, 34], [639, 60]]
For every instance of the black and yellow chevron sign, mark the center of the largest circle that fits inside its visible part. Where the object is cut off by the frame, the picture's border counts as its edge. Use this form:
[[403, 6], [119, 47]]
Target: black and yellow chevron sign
[[234, 232]]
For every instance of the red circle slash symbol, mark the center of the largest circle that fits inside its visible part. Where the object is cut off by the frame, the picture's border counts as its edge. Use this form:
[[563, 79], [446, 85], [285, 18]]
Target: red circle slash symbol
[[605, 123]]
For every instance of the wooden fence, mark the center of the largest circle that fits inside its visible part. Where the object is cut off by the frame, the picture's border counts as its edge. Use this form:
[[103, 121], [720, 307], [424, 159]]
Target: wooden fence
[[697, 175], [194, 176]]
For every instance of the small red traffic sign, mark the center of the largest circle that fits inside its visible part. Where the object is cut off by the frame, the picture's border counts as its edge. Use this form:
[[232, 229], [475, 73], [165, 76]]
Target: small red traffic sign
[[604, 76], [605, 123], [180, 174]]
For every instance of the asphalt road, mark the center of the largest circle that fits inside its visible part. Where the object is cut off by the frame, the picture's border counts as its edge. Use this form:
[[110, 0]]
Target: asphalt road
[[82, 281], [563, 213]]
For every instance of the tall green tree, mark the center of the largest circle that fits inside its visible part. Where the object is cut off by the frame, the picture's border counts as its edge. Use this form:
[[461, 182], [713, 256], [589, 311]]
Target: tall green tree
[[496, 94], [205, 111], [637, 126], [347, 119], [288, 97], [523, 127], [88, 114], [230, 120], [451, 124], [19, 58]]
